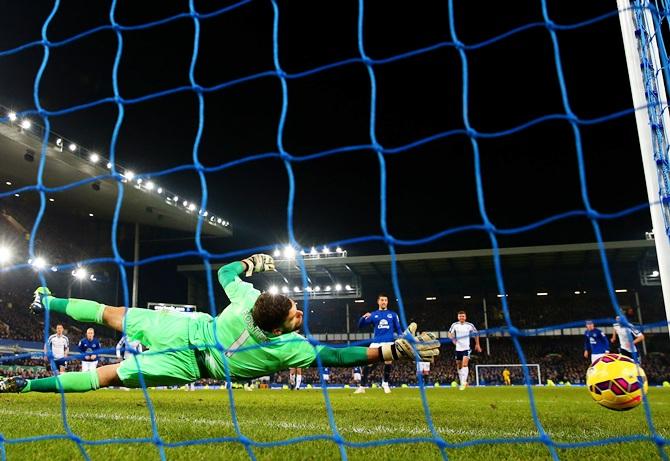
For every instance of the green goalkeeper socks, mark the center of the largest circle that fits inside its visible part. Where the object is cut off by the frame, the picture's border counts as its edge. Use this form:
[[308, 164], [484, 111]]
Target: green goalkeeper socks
[[70, 382], [79, 309]]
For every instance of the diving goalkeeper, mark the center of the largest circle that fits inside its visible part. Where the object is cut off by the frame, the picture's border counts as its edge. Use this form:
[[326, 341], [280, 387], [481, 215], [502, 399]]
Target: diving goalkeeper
[[255, 335]]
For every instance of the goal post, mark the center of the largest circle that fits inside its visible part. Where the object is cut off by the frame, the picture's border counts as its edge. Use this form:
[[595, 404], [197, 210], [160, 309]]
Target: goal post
[[648, 89], [479, 368]]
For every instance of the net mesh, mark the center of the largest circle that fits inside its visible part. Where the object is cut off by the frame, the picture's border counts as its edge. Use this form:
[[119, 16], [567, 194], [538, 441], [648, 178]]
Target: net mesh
[[474, 135]]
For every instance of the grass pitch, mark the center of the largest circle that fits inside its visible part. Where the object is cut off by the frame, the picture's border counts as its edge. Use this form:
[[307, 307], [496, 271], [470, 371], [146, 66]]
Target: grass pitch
[[568, 415]]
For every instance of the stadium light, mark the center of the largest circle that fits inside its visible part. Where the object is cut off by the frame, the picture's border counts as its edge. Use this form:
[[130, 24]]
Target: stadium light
[[338, 249], [12, 116], [313, 251], [16, 195], [72, 147], [277, 253], [59, 143], [500, 296], [91, 215], [39, 263], [54, 269], [150, 185], [159, 190], [51, 199], [326, 250], [5, 255], [191, 207], [129, 175], [296, 289], [184, 203], [359, 301], [92, 278], [327, 288], [317, 288], [26, 124], [273, 290], [289, 252], [80, 273], [348, 287], [9, 183], [109, 165], [654, 274], [284, 289], [338, 287], [309, 289], [621, 290], [431, 298], [467, 297], [542, 293], [94, 158], [578, 292]]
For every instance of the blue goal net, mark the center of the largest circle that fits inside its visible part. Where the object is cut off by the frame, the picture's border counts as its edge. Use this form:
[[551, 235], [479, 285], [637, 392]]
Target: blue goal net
[[510, 118]]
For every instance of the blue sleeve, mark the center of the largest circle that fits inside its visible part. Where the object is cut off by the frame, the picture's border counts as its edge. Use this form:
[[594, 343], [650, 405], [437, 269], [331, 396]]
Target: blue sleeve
[[587, 344], [363, 322], [397, 325], [81, 347]]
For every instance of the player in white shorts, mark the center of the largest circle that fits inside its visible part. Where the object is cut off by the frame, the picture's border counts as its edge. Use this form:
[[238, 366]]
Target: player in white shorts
[[59, 345], [460, 333]]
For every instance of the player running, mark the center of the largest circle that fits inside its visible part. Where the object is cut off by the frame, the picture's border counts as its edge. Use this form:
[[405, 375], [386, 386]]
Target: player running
[[595, 342], [460, 333], [257, 333], [386, 326], [625, 334], [59, 345], [89, 346]]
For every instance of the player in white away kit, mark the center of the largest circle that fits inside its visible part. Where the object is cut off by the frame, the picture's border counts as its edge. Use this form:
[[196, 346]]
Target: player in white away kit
[[60, 347], [625, 334], [460, 332]]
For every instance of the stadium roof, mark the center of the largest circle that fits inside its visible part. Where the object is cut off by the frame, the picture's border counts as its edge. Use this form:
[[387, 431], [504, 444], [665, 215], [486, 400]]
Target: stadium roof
[[469, 261], [19, 153]]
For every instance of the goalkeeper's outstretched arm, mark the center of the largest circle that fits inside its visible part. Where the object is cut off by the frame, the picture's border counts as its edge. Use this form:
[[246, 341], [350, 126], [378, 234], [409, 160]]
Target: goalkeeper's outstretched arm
[[410, 346]]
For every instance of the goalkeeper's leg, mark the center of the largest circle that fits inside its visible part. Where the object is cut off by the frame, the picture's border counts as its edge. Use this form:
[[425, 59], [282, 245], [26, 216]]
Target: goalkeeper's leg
[[82, 310], [80, 381]]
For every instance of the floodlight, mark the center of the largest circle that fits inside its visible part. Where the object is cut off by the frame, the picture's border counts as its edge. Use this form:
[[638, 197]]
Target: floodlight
[[5, 255], [39, 263], [273, 290], [289, 252], [94, 158], [12, 116], [80, 273], [26, 124], [72, 147]]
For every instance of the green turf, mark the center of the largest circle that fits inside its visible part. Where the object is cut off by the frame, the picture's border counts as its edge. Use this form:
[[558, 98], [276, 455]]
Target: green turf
[[568, 415]]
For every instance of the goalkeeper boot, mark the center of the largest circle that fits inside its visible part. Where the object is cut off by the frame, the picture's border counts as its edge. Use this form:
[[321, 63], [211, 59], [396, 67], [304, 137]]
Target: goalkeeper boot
[[37, 306], [15, 384]]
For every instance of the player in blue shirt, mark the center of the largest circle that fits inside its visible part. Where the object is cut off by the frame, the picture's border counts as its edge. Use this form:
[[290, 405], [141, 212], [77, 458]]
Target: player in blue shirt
[[89, 346], [595, 342], [386, 327]]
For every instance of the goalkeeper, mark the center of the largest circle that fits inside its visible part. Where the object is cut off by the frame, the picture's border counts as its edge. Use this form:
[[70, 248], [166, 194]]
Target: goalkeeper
[[254, 336]]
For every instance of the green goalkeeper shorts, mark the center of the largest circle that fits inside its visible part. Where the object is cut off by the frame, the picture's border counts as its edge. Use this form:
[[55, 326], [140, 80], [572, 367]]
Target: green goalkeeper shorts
[[160, 331]]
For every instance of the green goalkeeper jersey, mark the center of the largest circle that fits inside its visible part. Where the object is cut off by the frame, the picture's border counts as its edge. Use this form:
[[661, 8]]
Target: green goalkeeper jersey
[[248, 351]]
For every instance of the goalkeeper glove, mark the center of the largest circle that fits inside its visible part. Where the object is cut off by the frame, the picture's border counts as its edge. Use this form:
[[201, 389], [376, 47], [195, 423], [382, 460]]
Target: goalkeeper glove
[[258, 263], [425, 346]]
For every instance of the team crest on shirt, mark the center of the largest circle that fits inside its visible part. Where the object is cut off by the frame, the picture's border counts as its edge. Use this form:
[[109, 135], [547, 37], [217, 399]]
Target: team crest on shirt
[[390, 316], [383, 323]]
